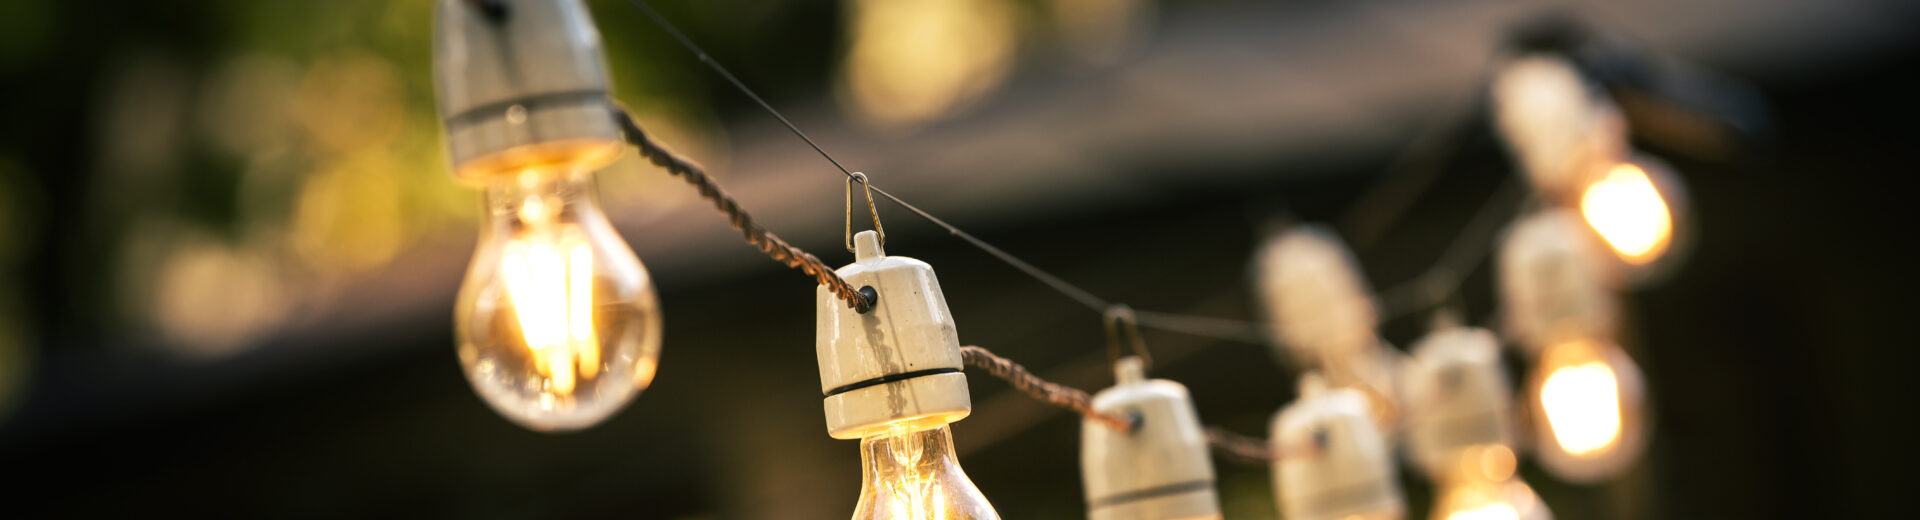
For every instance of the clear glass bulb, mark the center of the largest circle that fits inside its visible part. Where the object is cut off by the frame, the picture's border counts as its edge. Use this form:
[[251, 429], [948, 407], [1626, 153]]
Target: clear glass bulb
[[1588, 410], [557, 321], [910, 473]]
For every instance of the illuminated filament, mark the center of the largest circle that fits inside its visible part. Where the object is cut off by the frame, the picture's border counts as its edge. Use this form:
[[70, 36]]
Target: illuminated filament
[[553, 296], [1582, 404], [1628, 211]]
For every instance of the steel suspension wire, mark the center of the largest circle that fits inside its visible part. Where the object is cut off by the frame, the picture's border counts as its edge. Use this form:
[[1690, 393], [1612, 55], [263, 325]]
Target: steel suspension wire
[[1468, 248], [1230, 330], [1424, 291]]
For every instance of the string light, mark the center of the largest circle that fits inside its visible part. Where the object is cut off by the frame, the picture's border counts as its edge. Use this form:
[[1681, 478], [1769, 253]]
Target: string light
[[1587, 401], [1639, 209], [557, 320], [890, 365], [1585, 395], [1571, 142], [1158, 471], [892, 379]]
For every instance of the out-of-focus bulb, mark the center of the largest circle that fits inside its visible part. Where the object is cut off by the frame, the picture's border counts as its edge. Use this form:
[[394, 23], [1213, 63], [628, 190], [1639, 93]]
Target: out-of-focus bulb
[[1639, 209], [1483, 486], [1582, 405], [910, 473], [1628, 211], [557, 320], [1588, 404], [1504, 500]]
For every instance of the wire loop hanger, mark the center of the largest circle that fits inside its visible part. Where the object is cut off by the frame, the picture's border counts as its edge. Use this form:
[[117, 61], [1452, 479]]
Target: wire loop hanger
[[1120, 321], [871, 209]]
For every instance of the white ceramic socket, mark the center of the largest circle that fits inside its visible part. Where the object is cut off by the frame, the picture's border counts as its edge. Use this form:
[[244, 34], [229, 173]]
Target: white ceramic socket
[[899, 361], [1334, 463], [522, 86], [1315, 297], [1557, 281], [1158, 471], [1458, 397], [1558, 127]]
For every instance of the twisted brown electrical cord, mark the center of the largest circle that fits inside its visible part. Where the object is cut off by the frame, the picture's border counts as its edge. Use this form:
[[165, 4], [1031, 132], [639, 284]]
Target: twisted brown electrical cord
[[860, 300], [1052, 393], [1241, 447]]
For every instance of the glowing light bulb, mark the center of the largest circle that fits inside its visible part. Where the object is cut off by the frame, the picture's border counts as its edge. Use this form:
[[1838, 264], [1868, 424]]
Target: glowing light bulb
[[910, 473], [1583, 407], [557, 320], [1588, 410], [1628, 211], [1483, 486]]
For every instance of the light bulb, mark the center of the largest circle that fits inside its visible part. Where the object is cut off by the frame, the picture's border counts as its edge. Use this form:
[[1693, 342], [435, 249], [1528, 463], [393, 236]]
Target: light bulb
[[557, 320], [910, 473], [1588, 404], [1627, 210], [1483, 486], [1582, 405], [1639, 209]]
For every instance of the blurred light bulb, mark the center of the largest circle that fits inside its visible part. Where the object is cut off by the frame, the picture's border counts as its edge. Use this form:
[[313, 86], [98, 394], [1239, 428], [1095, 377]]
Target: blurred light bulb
[[558, 323], [910, 473], [1503, 500], [1583, 407], [1588, 404], [1627, 210], [1483, 486]]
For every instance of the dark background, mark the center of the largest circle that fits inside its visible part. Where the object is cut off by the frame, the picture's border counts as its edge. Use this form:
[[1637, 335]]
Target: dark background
[[1777, 356]]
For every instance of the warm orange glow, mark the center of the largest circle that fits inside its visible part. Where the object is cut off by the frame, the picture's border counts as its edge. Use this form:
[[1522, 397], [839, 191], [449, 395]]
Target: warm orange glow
[[911, 474], [1628, 211], [553, 296], [1582, 404], [1494, 511]]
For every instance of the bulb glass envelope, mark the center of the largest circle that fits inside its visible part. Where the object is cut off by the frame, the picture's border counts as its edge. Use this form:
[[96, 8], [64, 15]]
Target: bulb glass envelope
[[1587, 403], [1642, 213]]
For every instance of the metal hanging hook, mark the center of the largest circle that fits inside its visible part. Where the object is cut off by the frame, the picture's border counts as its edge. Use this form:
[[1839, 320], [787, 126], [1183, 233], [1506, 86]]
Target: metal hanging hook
[[1121, 320], [868, 187]]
